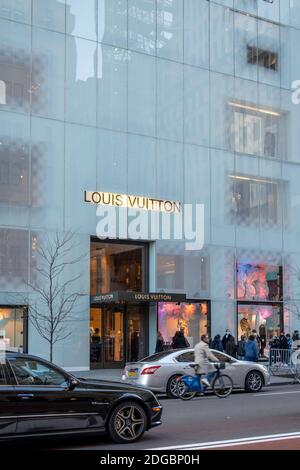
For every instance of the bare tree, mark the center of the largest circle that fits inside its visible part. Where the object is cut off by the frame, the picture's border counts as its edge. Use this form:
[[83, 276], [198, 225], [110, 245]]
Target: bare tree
[[54, 300]]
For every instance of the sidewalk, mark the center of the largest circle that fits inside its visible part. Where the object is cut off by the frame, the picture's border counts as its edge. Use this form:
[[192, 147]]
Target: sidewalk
[[115, 376]]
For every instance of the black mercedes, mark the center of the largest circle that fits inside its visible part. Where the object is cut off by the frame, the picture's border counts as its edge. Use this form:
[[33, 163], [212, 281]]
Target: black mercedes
[[39, 399]]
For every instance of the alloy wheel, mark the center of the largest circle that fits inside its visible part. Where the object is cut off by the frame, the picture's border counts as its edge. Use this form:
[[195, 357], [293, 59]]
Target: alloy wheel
[[254, 382], [129, 422]]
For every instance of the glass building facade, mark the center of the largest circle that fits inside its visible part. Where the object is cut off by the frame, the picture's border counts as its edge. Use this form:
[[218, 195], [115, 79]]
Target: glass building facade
[[184, 100]]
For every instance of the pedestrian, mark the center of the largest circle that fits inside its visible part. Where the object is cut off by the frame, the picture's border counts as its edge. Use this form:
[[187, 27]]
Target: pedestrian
[[295, 336], [251, 351], [241, 348], [179, 340], [283, 347], [289, 341], [217, 343], [202, 357], [159, 343], [229, 346], [274, 349], [257, 340]]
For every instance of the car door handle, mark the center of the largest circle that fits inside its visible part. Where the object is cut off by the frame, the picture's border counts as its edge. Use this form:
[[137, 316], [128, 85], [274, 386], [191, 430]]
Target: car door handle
[[25, 396]]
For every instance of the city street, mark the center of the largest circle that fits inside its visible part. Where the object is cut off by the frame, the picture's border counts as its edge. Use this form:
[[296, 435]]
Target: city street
[[268, 420]]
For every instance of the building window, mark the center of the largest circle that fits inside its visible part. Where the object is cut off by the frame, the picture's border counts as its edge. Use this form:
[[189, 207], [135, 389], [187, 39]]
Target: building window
[[263, 58], [257, 131], [257, 200], [193, 317], [259, 282], [12, 328]]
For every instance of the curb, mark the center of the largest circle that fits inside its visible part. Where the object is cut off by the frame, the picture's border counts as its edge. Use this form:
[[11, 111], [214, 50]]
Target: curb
[[289, 382]]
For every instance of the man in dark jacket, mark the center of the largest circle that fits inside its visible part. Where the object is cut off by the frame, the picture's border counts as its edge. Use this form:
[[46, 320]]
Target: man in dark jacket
[[229, 345], [241, 347]]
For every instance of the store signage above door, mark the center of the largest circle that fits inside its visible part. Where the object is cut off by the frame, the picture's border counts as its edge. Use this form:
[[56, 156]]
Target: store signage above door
[[132, 202], [137, 297]]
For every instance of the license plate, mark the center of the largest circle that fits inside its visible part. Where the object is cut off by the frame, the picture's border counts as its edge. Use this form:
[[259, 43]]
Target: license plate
[[132, 374]]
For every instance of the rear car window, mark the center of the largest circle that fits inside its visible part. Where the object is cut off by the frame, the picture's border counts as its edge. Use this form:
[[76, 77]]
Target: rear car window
[[157, 356], [186, 357]]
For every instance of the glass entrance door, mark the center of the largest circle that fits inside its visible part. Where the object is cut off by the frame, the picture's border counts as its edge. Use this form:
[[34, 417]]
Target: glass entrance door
[[135, 332], [106, 337]]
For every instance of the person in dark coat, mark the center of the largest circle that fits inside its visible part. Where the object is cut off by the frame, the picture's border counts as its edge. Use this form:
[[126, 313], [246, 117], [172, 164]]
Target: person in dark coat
[[229, 346], [241, 347], [296, 336], [159, 343], [251, 349], [179, 340], [134, 346], [217, 343]]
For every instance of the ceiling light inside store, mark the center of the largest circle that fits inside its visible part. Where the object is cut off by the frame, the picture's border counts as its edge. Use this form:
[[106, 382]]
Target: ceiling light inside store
[[254, 109]]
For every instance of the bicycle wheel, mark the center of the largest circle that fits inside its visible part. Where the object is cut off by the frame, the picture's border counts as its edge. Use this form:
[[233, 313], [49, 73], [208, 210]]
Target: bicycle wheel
[[222, 386], [183, 391]]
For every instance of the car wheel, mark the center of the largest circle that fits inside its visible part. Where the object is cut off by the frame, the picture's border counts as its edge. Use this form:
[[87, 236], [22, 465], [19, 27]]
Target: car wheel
[[172, 386], [254, 381], [127, 423]]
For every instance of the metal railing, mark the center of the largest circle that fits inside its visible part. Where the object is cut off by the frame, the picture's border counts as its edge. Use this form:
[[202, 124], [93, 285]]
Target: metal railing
[[285, 363]]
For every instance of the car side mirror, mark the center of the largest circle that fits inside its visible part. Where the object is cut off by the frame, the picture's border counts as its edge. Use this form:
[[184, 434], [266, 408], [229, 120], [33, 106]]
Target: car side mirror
[[73, 383]]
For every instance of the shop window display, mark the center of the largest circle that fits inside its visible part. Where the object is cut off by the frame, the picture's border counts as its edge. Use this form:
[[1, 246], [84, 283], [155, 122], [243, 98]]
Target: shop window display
[[265, 319], [258, 282], [193, 317]]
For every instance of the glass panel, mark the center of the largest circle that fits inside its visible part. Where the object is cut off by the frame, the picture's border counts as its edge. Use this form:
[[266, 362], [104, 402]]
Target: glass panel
[[81, 73], [96, 338], [265, 319], [259, 282], [196, 106], [115, 267], [15, 66], [190, 316], [169, 100], [48, 73], [112, 88], [112, 22], [114, 335], [136, 348], [50, 14], [170, 29], [141, 93], [16, 10], [142, 25], [245, 46], [11, 328], [196, 32], [82, 18], [14, 245], [221, 39]]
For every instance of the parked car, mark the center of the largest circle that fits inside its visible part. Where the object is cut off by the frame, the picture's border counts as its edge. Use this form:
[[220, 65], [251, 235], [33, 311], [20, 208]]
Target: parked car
[[39, 399], [160, 371]]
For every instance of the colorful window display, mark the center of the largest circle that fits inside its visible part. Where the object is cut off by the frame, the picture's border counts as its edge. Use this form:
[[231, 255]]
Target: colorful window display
[[193, 317], [258, 282], [265, 319]]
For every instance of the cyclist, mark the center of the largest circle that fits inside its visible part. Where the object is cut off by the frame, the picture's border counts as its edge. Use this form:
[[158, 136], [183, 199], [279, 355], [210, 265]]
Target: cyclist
[[202, 357]]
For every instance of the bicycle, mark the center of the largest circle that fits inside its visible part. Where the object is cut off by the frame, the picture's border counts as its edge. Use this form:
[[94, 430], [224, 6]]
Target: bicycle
[[188, 386]]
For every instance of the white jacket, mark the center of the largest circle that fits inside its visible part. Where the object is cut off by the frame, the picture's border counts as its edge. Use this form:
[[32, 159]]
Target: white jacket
[[203, 356]]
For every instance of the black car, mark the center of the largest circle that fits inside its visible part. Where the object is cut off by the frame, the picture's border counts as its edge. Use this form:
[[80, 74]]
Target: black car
[[38, 399]]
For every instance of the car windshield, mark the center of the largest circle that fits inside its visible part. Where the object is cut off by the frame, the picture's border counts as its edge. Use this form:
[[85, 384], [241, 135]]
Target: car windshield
[[157, 356]]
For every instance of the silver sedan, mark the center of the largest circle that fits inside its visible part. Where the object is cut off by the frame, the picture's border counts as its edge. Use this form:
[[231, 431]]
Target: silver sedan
[[160, 371]]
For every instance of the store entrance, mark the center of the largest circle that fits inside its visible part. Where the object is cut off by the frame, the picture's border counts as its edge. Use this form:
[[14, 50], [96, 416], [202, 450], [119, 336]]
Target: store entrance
[[117, 334]]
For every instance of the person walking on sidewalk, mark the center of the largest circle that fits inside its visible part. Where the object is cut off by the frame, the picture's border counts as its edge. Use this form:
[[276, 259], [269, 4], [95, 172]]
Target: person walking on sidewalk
[[251, 350], [229, 345]]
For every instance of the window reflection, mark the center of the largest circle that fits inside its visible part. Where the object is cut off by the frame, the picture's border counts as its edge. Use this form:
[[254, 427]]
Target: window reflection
[[256, 200]]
